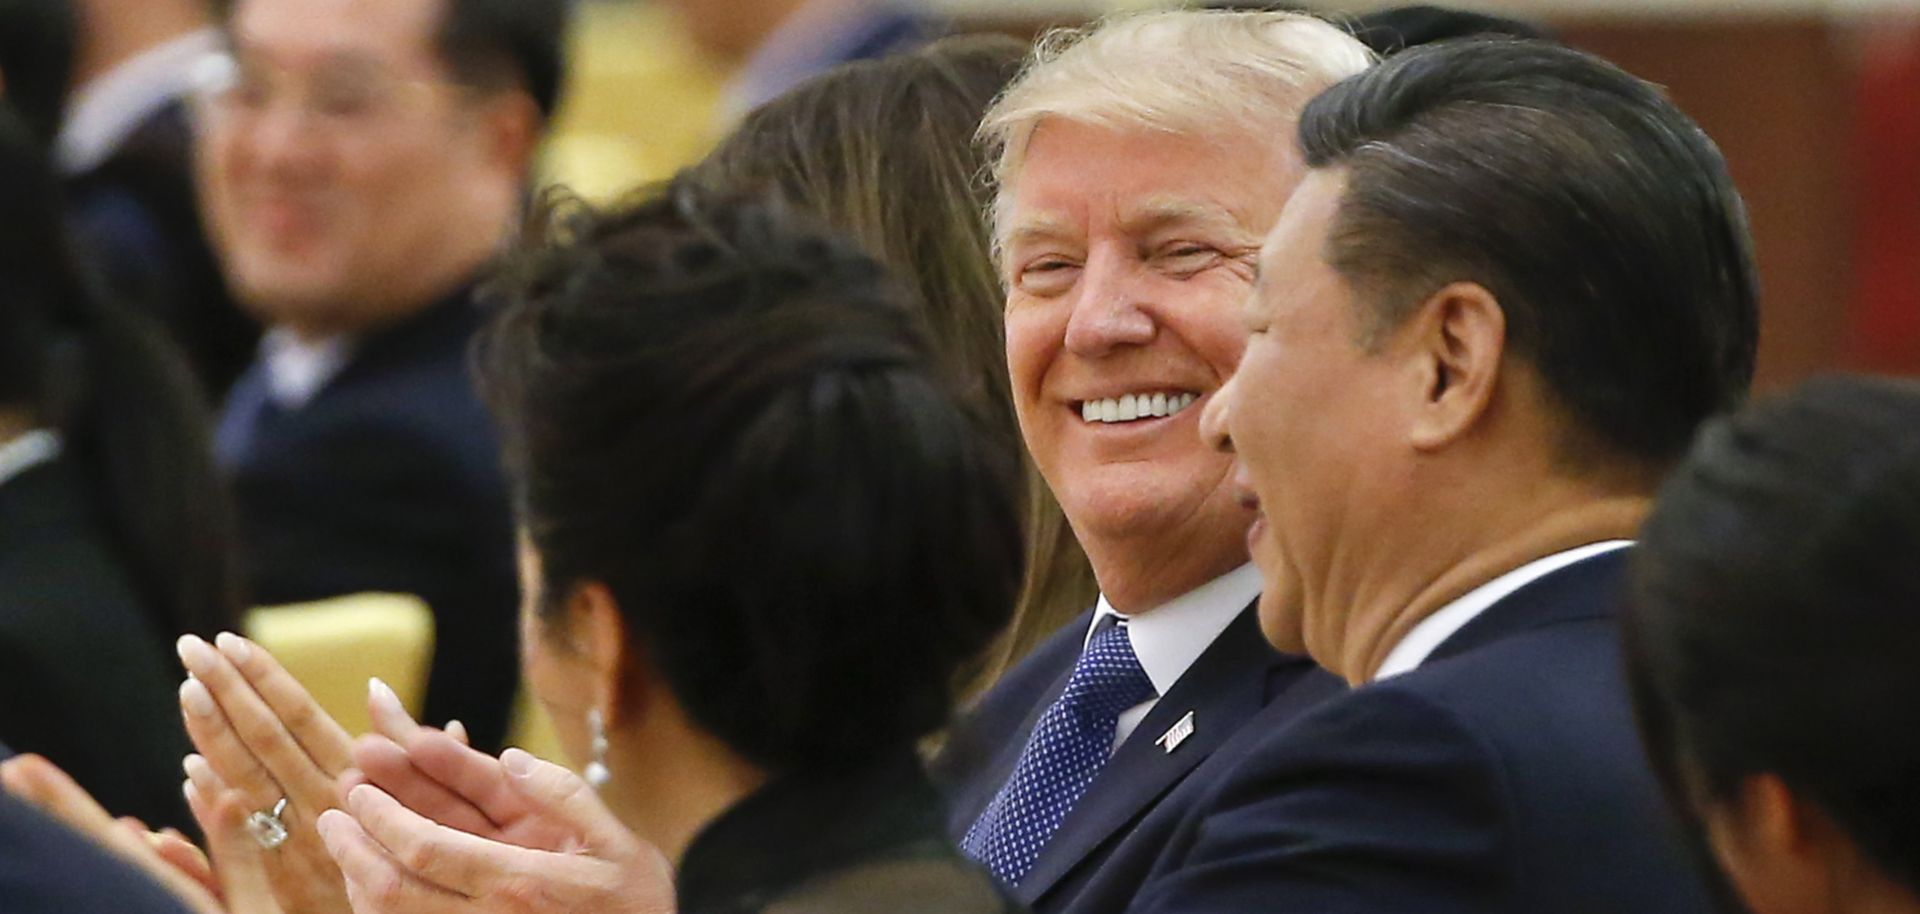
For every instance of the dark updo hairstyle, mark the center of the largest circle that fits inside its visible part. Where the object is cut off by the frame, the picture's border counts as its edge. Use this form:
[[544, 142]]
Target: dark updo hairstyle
[[730, 418], [1774, 626], [130, 413]]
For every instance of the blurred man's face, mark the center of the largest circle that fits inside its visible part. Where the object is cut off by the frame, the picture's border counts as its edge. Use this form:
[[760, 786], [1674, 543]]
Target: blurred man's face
[[332, 166], [1311, 417], [1127, 257]]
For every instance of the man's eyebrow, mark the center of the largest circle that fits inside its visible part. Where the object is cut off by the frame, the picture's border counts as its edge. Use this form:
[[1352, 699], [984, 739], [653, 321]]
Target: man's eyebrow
[[1041, 227], [1166, 212]]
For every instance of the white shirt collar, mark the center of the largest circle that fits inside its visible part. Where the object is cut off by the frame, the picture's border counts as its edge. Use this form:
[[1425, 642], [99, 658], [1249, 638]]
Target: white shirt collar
[[1170, 637], [1433, 631], [298, 369], [113, 104], [28, 451]]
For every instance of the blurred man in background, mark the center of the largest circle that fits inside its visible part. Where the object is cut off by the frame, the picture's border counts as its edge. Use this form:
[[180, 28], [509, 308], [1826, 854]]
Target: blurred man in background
[[125, 147], [363, 162], [772, 45]]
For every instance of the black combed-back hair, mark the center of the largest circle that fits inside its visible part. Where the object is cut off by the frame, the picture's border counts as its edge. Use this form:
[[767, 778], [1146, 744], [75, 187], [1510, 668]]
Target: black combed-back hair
[[729, 417], [1774, 620], [1598, 214], [110, 381]]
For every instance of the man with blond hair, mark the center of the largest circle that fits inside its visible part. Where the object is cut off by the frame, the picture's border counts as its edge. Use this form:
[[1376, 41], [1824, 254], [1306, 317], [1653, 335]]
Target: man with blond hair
[[1140, 164]]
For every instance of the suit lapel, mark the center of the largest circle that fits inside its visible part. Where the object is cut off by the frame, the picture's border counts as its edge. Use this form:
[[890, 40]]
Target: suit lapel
[[1222, 689]]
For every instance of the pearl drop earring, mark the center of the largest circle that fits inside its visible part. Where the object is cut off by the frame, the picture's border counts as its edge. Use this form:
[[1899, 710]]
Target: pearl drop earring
[[597, 773]]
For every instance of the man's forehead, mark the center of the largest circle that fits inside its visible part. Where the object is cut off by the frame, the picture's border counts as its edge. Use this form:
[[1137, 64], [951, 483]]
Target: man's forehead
[[336, 31], [1133, 214], [1308, 215]]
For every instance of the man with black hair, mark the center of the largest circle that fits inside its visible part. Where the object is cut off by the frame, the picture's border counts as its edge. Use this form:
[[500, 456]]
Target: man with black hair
[[1514, 282], [364, 161]]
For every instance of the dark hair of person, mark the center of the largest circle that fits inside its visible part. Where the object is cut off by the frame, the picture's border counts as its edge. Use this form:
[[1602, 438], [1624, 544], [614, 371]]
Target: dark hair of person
[[731, 419], [1774, 618], [1600, 217], [131, 416], [1390, 31], [884, 151], [499, 45], [36, 61], [508, 44]]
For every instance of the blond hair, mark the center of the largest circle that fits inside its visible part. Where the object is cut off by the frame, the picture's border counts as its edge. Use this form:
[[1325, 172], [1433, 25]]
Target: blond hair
[[1189, 72]]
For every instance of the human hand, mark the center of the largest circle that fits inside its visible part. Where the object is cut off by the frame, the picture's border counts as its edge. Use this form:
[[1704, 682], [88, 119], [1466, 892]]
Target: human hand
[[261, 734], [448, 782], [396, 860], [168, 858]]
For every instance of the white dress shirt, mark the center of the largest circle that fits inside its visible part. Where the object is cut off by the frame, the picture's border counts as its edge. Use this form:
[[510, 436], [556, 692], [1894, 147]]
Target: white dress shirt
[[297, 369], [1171, 636], [28, 451], [1433, 631], [112, 105]]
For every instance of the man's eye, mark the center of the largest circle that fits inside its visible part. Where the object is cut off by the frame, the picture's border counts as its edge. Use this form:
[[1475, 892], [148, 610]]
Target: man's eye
[[1046, 275]]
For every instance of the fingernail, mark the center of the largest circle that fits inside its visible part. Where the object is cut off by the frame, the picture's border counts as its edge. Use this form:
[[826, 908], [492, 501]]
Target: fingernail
[[387, 699], [517, 762], [235, 647], [195, 697], [327, 822], [197, 768], [457, 730], [186, 790], [195, 653]]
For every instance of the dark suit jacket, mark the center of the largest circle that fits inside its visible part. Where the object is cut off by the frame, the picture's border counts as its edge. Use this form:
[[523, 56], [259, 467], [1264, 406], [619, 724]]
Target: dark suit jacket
[[87, 678], [865, 839], [389, 480], [46, 869], [1099, 857], [1503, 775], [137, 214]]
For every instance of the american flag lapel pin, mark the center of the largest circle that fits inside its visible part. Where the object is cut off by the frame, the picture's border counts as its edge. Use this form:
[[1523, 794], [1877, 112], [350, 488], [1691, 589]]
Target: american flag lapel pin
[[1176, 734]]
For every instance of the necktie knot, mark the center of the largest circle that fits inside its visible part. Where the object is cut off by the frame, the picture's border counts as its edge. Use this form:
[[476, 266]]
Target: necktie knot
[[1108, 677]]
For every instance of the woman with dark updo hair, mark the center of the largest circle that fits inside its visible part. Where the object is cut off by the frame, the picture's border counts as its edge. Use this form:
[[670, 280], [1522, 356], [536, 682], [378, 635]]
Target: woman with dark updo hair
[[1774, 643]]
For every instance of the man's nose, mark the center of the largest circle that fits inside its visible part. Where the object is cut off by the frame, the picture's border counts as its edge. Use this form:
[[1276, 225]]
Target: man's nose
[[1214, 418], [1109, 311]]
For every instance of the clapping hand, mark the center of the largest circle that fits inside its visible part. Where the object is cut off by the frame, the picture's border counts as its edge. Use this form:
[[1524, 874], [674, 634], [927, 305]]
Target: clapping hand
[[513, 834]]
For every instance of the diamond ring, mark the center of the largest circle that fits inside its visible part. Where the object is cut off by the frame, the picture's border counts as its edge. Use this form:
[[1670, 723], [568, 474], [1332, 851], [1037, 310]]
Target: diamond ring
[[267, 829]]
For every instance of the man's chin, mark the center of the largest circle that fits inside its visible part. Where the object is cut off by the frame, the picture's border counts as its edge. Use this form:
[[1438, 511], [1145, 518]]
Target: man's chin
[[1280, 619]]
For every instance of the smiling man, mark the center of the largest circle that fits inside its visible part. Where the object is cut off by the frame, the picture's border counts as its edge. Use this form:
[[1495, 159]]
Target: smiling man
[[1513, 283], [1140, 166], [361, 163]]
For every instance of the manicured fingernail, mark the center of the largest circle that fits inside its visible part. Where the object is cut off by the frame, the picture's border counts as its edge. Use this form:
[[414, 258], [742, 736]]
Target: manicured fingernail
[[517, 762], [197, 700], [197, 768], [235, 647], [195, 653], [327, 822], [457, 730], [387, 701]]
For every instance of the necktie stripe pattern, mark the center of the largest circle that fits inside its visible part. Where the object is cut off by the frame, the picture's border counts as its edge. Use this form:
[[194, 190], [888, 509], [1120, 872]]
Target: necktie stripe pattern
[[1069, 746]]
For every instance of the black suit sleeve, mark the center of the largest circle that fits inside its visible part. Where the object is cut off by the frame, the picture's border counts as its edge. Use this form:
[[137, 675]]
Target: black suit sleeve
[[1379, 802]]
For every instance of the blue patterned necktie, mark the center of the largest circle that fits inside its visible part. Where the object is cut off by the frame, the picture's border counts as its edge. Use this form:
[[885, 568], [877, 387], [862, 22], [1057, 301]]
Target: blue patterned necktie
[[1070, 744]]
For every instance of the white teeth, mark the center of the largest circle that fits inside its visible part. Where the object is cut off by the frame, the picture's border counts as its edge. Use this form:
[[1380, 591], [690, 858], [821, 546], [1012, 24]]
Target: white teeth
[[1129, 407]]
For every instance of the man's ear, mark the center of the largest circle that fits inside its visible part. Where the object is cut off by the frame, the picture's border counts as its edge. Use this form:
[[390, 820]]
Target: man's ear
[[512, 125], [598, 635], [1777, 850], [1457, 339]]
